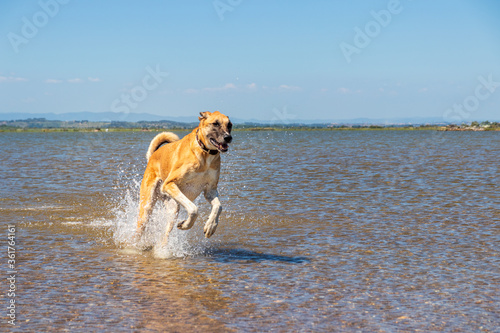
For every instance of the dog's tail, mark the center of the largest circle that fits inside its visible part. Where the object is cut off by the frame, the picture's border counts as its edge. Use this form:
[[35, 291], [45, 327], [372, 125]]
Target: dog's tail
[[164, 137]]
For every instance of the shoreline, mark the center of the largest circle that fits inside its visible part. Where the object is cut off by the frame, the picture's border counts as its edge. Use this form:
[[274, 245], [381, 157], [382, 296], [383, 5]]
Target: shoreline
[[243, 129], [44, 125]]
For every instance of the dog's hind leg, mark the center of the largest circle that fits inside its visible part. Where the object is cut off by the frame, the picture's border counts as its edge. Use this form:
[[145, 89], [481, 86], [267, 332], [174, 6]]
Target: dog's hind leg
[[148, 197], [212, 196], [172, 210], [172, 190]]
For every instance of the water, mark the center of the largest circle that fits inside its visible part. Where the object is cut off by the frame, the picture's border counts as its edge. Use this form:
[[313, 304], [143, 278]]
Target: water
[[345, 231]]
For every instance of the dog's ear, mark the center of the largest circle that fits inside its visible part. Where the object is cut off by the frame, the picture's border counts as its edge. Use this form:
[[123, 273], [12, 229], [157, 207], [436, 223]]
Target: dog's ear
[[204, 115]]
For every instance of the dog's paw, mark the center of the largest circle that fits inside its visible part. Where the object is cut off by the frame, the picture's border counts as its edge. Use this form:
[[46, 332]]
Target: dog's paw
[[209, 229], [184, 225]]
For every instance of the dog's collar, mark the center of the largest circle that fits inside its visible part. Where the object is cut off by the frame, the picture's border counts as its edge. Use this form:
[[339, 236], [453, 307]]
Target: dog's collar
[[205, 149]]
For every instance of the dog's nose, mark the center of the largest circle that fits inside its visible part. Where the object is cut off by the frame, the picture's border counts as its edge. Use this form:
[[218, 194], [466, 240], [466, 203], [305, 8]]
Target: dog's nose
[[228, 138]]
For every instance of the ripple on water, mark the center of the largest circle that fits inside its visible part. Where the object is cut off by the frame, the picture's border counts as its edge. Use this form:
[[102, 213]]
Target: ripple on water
[[320, 231]]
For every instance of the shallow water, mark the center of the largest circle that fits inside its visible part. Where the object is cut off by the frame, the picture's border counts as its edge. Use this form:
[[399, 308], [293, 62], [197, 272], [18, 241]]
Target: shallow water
[[372, 231]]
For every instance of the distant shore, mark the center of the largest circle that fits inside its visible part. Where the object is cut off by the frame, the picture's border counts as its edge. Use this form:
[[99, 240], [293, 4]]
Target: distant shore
[[43, 125], [97, 130]]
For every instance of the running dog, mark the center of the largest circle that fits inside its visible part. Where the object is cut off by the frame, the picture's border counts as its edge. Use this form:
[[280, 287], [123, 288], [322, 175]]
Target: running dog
[[179, 171]]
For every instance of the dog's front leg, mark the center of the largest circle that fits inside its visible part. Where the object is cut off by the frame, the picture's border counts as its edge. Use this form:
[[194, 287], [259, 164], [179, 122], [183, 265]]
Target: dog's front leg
[[172, 190], [212, 196]]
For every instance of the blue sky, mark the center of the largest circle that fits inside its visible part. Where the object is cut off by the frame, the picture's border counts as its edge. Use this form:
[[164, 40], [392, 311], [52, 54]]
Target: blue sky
[[256, 59]]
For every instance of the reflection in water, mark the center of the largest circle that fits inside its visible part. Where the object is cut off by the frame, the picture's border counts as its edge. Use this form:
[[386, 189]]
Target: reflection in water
[[84, 285], [321, 231]]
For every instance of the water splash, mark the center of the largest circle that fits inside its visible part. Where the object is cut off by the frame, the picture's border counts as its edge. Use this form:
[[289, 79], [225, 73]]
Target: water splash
[[122, 228]]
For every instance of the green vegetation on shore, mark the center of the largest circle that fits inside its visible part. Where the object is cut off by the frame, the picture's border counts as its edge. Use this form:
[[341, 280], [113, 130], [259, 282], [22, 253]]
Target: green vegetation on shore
[[44, 125], [473, 126]]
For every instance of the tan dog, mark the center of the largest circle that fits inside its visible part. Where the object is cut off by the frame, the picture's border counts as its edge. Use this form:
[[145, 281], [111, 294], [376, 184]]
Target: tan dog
[[178, 172]]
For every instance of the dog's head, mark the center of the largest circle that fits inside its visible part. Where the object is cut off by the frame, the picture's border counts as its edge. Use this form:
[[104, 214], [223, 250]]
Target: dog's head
[[216, 130]]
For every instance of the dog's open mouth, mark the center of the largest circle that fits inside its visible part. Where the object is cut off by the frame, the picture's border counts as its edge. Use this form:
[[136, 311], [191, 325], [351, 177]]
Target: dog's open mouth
[[222, 147]]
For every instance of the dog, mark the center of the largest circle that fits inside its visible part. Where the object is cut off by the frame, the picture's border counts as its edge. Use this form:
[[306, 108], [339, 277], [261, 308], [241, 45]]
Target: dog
[[180, 170]]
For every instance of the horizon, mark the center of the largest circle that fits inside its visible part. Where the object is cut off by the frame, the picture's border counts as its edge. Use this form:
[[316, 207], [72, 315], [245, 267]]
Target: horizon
[[109, 117], [275, 61]]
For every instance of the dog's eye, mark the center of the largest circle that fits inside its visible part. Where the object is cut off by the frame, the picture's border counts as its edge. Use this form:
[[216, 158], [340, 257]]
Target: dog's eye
[[229, 126], [216, 124]]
